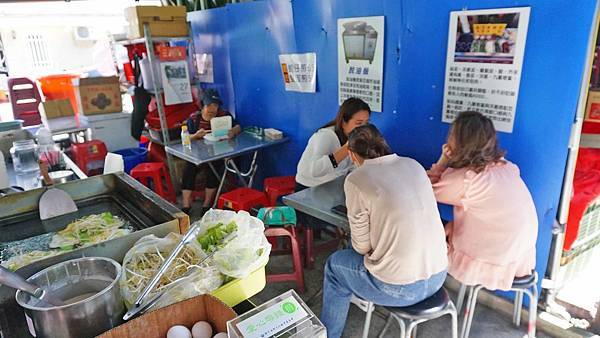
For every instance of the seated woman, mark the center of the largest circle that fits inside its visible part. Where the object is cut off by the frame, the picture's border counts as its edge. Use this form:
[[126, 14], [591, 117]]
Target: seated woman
[[398, 255], [326, 155], [199, 126], [492, 239]]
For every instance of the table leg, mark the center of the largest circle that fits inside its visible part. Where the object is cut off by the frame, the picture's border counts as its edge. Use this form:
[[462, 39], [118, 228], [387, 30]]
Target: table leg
[[223, 177]]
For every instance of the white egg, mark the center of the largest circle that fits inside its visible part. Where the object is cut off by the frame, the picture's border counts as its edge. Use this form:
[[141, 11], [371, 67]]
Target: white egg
[[221, 335], [202, 330], [179, 331]]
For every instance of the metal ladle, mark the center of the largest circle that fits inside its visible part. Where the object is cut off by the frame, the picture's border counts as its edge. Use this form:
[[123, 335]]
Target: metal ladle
[[15, 281]]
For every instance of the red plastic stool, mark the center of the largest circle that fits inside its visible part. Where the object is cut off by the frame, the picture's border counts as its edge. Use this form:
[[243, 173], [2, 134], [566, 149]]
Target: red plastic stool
[[161, 180], [25, 99], [276, 187], [298, 274], [242, 199]]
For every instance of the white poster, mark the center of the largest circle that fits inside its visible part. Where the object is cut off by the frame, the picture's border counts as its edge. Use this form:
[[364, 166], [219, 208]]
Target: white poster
[[176, 82], [204, 65], [483, 65], [360, 59], [299, 72]]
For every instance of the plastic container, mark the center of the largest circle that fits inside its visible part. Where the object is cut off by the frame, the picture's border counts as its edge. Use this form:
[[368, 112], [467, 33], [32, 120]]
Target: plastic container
[[186, 141], [61, 86], [239, 290], [132, 157], [25, 157], [283, 316], [49, 152]]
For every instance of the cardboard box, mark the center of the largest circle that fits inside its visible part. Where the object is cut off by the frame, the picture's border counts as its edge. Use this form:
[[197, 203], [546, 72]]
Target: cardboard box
[[592, 112], [99, 95], [53, 109], [166, 21], [155, 324]]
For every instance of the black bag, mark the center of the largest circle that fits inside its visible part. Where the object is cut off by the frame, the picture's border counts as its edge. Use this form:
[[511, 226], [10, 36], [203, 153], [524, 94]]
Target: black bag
[[141, 100]]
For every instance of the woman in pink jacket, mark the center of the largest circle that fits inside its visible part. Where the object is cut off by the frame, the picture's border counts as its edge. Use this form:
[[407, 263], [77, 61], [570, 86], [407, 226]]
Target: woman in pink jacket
[[492, 239]]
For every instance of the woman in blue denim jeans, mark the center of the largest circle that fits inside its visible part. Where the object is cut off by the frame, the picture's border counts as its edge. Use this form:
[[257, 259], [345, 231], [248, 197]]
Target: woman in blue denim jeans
[[398, 255]]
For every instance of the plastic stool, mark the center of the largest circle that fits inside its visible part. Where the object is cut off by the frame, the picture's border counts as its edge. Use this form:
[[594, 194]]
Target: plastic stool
[[278, 226], [161, 180], [433, 307], [89, 156], [242, 199], [276, 187], [521, 285], [367, 307]]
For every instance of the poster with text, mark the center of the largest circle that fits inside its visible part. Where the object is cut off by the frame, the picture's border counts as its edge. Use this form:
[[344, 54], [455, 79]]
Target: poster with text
[[176, 82], [360, 59], [204, 68], [299, 72], [484, 62]]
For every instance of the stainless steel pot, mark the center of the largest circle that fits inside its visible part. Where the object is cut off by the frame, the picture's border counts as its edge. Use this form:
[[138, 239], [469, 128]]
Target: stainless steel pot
[[90, 288]]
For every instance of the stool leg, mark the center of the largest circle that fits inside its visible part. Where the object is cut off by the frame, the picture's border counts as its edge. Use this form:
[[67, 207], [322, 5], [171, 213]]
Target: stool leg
[[310, 258], [470, 310], [518, 308], [412, 326], [402, 327], [454, 317], [367, 325], [533, 301], [460, 297], [298, 269], [385, 327]]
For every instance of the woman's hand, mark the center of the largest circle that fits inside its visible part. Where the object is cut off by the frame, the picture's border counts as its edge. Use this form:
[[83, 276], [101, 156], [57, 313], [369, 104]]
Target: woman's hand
[[233, 132], [445, 156], [341, 154], [199, 134]]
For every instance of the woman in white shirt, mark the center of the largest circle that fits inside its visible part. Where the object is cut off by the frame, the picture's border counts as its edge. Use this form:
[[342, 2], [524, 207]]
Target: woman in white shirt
[[398, 254], [326, 155]]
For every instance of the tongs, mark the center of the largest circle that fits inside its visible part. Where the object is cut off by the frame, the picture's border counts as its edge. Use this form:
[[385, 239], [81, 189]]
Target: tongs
[[140, 306]]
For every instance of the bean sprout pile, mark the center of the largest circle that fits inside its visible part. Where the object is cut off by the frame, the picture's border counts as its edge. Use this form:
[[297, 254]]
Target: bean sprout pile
[[142, 266]]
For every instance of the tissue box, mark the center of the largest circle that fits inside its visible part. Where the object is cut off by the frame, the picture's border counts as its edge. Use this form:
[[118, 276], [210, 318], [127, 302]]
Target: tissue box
[[273, 134]]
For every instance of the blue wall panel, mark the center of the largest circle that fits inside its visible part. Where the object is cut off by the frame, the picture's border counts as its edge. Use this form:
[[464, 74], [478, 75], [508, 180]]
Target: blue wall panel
[[209, 30], [415, 52]]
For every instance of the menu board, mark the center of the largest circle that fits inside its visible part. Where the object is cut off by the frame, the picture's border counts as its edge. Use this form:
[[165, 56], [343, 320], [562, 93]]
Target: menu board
[[484, 62]]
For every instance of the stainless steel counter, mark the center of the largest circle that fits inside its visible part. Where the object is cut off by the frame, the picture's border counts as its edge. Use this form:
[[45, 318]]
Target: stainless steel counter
[[318, 202]]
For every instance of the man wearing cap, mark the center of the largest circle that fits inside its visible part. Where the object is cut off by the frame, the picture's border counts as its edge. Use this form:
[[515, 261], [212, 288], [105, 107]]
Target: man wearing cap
[[198, 126]]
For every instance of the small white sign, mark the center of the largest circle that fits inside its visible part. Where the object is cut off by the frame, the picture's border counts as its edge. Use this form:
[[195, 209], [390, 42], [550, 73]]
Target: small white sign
[[299, 72], [484, 62], [204, 64], [273, 319], [360, 59], [176, 82]]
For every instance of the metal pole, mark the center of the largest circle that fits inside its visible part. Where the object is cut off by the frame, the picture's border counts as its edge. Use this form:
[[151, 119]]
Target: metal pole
[[156, 81]]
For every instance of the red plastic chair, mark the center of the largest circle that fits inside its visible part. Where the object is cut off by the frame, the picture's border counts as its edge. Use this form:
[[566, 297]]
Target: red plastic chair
[[243, 199], [25, 100], [297, 275], [155, 176], [276, 187]]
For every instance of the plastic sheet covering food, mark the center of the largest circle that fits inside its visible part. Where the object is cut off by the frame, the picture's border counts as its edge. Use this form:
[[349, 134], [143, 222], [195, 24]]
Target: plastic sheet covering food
[[241, 251]]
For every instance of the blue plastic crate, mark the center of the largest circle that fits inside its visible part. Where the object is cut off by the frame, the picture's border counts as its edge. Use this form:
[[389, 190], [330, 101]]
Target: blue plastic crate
[[132, 157]]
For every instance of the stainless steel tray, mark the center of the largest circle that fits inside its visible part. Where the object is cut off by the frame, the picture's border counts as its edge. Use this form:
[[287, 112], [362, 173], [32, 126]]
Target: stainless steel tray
[[123, 196]]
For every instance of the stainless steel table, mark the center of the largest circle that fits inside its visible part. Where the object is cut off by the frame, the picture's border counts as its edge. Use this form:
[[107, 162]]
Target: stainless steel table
[[318, 202], [206, 152]]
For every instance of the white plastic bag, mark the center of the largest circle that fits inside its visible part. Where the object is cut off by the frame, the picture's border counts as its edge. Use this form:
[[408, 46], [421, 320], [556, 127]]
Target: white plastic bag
[[143, 260], [243, 251]]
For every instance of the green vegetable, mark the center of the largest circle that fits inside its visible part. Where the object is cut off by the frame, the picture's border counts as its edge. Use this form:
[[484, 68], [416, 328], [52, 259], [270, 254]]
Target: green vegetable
[[107, 217], [212, 239], [67, 248]]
